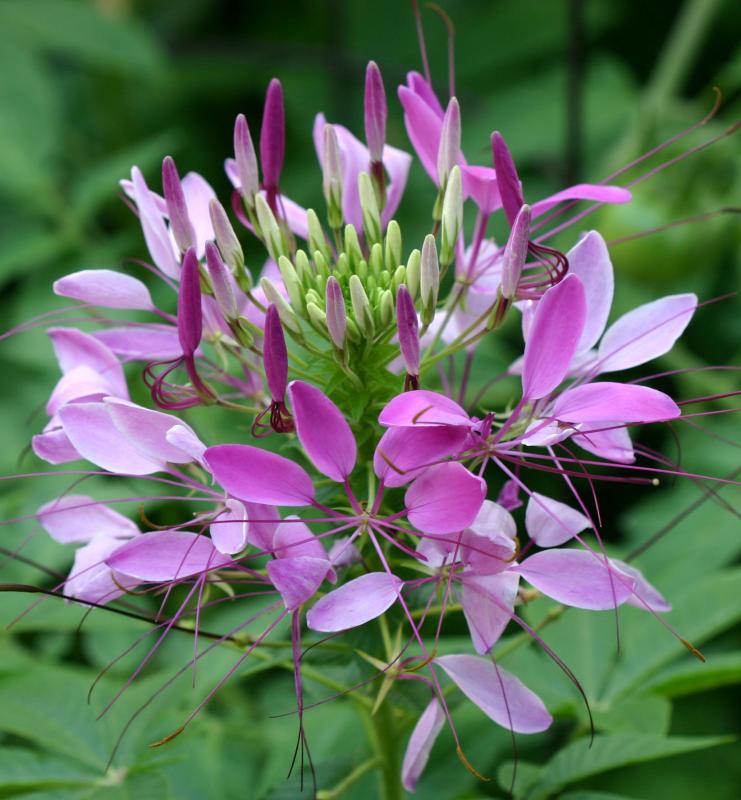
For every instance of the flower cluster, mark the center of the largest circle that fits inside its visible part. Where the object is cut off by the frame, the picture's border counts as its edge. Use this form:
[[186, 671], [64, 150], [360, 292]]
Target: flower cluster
[[372, 488]]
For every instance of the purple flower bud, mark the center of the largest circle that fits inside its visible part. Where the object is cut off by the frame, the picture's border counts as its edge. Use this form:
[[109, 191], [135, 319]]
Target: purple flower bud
[[508, 181], [221, 282], [375, 112], [226, 239], [509, 496], [244, 155], [190, 321], [336, 312], [408, 326], [450, 141], [275, 355], [273, 136], [177, 209], [515, 253]]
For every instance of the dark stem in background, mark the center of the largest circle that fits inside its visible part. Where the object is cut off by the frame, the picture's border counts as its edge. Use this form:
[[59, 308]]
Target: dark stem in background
[[574, 92]]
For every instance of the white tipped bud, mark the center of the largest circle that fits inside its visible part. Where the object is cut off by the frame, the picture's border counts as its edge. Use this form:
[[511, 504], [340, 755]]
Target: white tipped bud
[[369, 208], [429, 278], [361, 306], [317, 317], [332, 177], [413, 272], [285, 312], [353, 250], [269, 228], [317, 240], [244, 155], [292, 284], [392, 251], [336, 312], [452, 216], [386, 308], [450, 141], [226, 239]]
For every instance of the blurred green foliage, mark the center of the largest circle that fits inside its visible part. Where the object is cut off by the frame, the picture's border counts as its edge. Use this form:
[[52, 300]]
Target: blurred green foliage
[[89, 88]]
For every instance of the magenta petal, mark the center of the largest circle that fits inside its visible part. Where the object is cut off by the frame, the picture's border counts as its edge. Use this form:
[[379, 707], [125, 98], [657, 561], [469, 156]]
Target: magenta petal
[[590, 260], [159, 243], [355, 603], [106, 288], [259, 476], [402, 453], [293, 538], [480, 184], [500, 695], [322, 430], [553, 337], [229, 530], [550, 523], [444, 499], [92, 433], [577, 578], [644, 593], [424, 127], [425, 409], [297, 579], [606, 401], [91, 580], [488, 604], [420, 744], [166, 556], [646, 332], [583, 191], [79, 518]]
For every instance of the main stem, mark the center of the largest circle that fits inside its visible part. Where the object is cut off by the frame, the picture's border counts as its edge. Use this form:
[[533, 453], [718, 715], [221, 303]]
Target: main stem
[[383, 734]]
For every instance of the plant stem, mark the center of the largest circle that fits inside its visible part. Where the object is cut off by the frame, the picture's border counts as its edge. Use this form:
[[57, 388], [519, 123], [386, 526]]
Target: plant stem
[[383, 734]]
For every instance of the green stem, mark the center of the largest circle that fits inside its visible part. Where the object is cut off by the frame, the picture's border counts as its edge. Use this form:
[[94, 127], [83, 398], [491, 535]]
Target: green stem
[[356, 774], [384, 736]]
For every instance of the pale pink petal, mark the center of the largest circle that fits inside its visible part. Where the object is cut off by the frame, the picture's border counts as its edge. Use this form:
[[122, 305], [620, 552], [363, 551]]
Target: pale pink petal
[[74, 348], [294, 215], [500, 695], [106, 288], [420, 743], [259, 476], [553, 338], [577, 578], [142, 342], [91, 580], [444, 498], [229, 530], [488, 605], [355, 603], [488, 545], [92, 433], [480, 184], [612, 442], [550, 523], [402, 453], [184, 439], [297, 579], [544, 433], [343, 553], [590, 260], [606, 402], [166, 556], [397, 164], [322, 430], [79, 383], [198, 194], [54, 447], [644, 594], [423, 408], [159, 242], [646, 332], [264, 521], [583, 191], [79, 518]]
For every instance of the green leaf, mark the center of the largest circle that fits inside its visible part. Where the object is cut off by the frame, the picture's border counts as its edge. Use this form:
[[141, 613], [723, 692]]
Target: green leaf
[[690, 677], [22, 769], [589, 795], [578, 760], [526, 776], [644, 714]]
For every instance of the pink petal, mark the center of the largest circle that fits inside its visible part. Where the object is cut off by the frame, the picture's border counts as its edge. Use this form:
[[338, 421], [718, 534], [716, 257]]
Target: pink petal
[[259, 476], [198, 194], [147, 430], [553, 338], [480, 184], [444, 499], [142, 342], [606, 401], [91, 580], [183, 438], [229, 530], [264, 521], [159, 243], [644, 593], [420, 744], [92, 433], [584, 191], [424, 127], [419, 85], [488, 604], [106, 288], [397, 164], [612, 442], [590, 260], [577, 578], [488, 545], [74, 348], [355, 603], [423, 408], [79, 383], [402, 453], [293, 538], [645, 332], [500, 695], [166, 556], [322, 430], [297, 579], [79, 518], [550, 523], [54, 447]]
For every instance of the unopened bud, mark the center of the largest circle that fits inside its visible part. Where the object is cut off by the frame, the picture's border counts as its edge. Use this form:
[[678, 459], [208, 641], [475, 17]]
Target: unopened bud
[[352, 244], [221, 282], [508, 181], [292, 284], [269, 228], [452, 216], [226, 240], [375, 261], [317, 240], [244, 155], [317, 317], [429, 278], [515, 253], [369, 208], [272, 136], [450, 141], [386, 308], [177, 209], [375, 111], [361, 306], [408, 327], [413, 272], [320, 262], [287, 315], [392, 250], [275, 354], [190, 316], [332, 177], [303, 269], [399, 277], [336, 312]]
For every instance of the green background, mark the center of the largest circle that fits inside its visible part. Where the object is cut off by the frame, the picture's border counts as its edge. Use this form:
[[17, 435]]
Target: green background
[[578, 89]]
